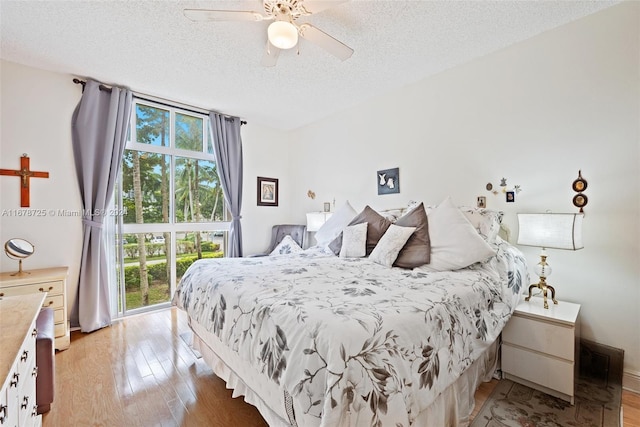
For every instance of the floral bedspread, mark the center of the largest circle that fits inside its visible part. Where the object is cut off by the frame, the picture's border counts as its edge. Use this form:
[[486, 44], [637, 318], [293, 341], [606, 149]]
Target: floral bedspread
[[349, 340]]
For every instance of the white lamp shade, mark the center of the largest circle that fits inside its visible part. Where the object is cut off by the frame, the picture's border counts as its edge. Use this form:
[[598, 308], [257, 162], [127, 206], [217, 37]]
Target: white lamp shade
[[315, 220], [282, 34], [551, 230]]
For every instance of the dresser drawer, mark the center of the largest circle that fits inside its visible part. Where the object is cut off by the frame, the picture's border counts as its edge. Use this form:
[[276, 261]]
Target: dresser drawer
[[12, 392], [58, 316], [54, 301], [27, 396], [60, 329], [27, 353], [556, 374], [544, 337], [55, 287]]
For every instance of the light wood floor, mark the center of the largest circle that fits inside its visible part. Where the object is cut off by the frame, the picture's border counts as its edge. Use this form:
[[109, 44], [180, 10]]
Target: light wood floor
[[139, 372]]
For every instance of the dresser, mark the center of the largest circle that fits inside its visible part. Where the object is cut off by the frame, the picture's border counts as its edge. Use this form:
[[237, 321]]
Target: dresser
[[18, 369], [540, 347], [53, 281]]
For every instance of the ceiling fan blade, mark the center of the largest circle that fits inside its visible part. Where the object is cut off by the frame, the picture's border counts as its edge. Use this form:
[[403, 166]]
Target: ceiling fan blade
[[271, 54], [224, 15], [325, 41], [315, 6]]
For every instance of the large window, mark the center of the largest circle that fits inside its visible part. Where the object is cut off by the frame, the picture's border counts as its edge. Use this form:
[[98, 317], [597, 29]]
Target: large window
[[173, 209]]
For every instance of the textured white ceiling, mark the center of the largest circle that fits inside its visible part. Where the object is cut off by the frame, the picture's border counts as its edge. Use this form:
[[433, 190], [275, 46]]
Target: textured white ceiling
[[152, 48]]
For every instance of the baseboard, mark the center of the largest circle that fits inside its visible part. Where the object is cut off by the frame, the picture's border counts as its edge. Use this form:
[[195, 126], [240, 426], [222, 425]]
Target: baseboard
[[631, 381]]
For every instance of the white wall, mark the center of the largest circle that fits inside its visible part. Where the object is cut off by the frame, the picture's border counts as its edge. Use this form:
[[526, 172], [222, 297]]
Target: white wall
[[534, 113], [266, 154], [36, 119]]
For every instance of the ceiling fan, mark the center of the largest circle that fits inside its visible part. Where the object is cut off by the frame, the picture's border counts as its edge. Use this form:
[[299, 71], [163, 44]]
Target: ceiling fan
[[283, 32]]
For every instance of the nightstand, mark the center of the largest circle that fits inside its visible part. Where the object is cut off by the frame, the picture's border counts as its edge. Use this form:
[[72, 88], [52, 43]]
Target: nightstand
[[540, 347], [53, 281]]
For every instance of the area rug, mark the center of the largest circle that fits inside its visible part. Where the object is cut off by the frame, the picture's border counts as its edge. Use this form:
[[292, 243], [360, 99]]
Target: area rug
[[597, 404]]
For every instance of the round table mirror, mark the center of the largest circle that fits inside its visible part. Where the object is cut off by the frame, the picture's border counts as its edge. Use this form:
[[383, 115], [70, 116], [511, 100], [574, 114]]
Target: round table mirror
[[18, 249]]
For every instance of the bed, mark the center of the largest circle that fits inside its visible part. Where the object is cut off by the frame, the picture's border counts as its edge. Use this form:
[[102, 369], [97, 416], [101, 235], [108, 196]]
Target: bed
[[314, 339]]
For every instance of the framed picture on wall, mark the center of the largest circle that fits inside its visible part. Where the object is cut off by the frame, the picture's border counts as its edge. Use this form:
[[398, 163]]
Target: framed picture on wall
[[267, 191], [511, 196], [388, 181]]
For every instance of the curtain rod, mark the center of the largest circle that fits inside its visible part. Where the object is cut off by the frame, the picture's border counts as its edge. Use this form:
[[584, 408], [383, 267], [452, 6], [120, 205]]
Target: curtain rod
[[143, 98]]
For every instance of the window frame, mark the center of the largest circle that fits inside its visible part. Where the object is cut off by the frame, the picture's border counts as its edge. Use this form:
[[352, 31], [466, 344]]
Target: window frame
[[173, 226]]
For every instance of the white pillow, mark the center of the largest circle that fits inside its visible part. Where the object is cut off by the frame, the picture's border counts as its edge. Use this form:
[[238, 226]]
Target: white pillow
[[455, 243], [390, 245], [392, 214], [334, 225], [287, 246], [354, 241], [485, 221]]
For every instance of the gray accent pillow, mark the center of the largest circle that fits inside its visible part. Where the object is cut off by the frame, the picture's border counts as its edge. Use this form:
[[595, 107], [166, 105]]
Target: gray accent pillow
[[377, 226], [417, 250]]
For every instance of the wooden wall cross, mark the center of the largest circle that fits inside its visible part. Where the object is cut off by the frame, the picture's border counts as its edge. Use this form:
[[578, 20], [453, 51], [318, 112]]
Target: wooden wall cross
[[25, 174]]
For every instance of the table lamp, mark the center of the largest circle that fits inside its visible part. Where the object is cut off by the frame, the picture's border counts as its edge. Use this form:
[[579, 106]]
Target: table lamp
[[549, 231]]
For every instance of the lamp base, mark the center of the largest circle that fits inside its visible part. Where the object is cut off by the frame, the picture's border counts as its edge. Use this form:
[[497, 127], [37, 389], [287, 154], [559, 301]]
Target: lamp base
[[544, 287]]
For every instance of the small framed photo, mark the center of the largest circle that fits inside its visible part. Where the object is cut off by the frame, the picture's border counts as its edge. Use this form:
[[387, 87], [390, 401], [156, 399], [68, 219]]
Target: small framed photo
[[511, 196], [267, 191], [327, 207], [482, 202]]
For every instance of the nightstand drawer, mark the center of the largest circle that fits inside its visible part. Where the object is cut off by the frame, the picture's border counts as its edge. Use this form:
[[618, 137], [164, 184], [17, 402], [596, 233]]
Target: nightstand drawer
[[556, 374], [544, 337]]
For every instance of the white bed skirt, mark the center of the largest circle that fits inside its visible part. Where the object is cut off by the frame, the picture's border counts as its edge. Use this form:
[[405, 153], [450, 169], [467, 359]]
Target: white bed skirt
[[452, 408]]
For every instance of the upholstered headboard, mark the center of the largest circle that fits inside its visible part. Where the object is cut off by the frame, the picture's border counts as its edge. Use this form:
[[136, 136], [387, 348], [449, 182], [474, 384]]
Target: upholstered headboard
[[296, 231]]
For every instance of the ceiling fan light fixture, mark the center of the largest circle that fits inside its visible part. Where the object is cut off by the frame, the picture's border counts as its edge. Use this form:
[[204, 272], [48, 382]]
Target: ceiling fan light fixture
[[282, 34]]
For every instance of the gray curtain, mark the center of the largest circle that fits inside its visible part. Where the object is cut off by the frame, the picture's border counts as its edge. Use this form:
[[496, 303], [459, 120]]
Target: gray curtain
[[99, 131], [227, 145]]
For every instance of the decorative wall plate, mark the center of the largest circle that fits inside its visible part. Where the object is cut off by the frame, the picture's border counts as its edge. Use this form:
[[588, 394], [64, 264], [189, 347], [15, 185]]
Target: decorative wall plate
[[580, 201], [580, 184]]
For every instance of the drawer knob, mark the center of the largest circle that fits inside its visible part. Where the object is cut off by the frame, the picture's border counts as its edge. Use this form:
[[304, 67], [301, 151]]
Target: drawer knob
[[34, 333], [25, 356], [34, 411], [3, 413], [42, 289], [50, 303], [35, 371], [15, 380], [1, 294], [25, 402]]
